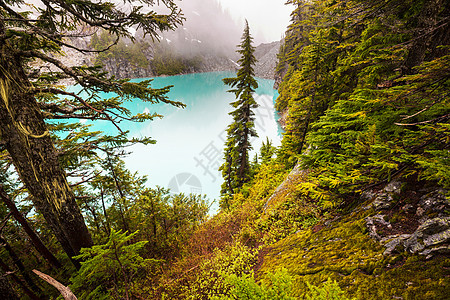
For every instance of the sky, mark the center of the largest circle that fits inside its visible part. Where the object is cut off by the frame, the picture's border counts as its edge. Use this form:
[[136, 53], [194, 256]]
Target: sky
[[268, 19]]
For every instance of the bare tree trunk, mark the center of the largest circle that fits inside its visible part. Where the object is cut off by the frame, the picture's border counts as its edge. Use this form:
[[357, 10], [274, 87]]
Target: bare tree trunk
[[66, 293], [26, 138], [35, 240], [107, 226]]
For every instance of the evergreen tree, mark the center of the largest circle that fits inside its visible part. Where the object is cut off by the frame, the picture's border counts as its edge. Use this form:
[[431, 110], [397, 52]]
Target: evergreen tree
[[368, 102], [29, 95], [236, 168]]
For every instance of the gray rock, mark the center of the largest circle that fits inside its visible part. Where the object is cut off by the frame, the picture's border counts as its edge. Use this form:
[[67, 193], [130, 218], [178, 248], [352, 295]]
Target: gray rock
[[371, 224], [438, 238], [432, 233], [434, 225], [437, 250], [395, 243], [384, 198], [382, 201], [409, 208], [266, 56], [430, 238], [433, 203], [393, 187]]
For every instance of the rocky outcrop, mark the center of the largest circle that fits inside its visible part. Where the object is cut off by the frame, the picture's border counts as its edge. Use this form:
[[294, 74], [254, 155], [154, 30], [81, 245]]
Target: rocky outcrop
[[428, 230], [286, 187], [266, 55], [215, 63]]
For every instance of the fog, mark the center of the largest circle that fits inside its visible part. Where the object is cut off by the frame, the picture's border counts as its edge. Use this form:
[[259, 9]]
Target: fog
[[268, 18], [216, 26]]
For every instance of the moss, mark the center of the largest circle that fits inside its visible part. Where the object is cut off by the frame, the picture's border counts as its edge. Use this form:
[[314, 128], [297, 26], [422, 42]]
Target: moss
[[344, 252]]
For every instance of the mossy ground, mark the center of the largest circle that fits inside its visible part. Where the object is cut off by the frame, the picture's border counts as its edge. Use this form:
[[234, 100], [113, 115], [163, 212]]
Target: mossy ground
[[343, 251], [292, 233]]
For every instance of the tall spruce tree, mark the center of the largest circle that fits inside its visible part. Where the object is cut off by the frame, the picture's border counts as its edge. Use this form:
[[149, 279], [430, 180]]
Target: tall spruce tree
[[236, 168], [34, 35]]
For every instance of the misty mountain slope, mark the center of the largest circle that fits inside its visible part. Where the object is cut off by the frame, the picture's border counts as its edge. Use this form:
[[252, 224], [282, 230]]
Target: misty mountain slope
[[266, 54], [205, 42]]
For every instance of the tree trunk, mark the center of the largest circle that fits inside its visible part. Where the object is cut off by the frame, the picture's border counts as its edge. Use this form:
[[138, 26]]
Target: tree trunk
[[24, 133], [17, 280]]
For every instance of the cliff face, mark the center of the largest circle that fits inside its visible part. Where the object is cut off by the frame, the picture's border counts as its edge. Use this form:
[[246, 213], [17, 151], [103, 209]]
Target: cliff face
[[266, 54]]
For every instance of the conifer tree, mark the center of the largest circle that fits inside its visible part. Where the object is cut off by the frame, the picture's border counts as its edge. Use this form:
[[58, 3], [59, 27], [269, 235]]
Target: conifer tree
[[368, 102], [236, 168], [30, 94]]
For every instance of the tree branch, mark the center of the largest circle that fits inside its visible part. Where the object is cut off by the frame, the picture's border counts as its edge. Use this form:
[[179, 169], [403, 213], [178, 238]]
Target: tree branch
[[64, 290]]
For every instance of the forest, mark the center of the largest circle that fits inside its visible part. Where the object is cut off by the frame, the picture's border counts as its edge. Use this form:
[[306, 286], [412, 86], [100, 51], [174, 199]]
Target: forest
[[354, 204]]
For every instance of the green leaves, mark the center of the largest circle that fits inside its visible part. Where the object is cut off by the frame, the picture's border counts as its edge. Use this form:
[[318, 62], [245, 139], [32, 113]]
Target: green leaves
[[245, 287], [366, 96], [108, 270]]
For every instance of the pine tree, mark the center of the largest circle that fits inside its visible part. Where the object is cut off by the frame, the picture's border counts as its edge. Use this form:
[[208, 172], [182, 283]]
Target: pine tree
[[29, 95], [236, 168], [368, 102]]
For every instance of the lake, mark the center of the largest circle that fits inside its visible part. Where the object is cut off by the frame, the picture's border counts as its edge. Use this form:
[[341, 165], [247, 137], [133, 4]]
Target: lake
[[190, 141]]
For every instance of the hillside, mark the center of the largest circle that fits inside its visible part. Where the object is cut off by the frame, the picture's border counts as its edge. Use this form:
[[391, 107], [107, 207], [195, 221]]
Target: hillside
[[354, 204]]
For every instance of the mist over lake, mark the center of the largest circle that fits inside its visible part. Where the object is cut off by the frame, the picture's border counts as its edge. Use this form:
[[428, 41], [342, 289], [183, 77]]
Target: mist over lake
[[190, 141]]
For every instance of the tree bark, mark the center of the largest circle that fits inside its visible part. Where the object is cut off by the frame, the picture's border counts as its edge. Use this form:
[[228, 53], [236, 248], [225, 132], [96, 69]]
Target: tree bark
[[25, 136], [65, 291]]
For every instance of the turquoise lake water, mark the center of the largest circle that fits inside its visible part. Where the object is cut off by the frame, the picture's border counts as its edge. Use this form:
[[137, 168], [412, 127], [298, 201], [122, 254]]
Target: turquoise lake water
[[190, 141]]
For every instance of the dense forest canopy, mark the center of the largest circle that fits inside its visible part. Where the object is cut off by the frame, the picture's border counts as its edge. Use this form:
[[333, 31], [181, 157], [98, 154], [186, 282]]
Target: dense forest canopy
[[366, 89]]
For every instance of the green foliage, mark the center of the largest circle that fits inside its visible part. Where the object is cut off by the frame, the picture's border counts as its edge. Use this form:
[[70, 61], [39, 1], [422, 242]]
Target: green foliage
[[330, 290], [245, 287], [109, 270], [209, 280], [120, 52], [167, 220], [342, 252], [120, 200], [236, 168], [366, 101], [166, 61]]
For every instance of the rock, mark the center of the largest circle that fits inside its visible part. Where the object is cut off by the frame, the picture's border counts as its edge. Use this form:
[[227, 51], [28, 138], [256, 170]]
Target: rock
[[393, 187], [293, 176], [445, 250], [382, 201], [409, 208], [434, 225], [395, 243], [432, 233], [371, 224], [435, 203], [266, 56]]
